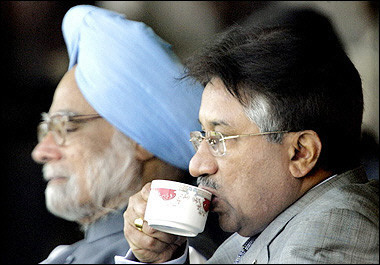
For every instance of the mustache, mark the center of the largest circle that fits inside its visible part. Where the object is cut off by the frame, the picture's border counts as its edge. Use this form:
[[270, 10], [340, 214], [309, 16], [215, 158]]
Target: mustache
[[50, 172], [207, 182]]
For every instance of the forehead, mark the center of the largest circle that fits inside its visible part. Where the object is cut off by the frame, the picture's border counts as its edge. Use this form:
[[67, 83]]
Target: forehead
[[220, 108], [68, 98]]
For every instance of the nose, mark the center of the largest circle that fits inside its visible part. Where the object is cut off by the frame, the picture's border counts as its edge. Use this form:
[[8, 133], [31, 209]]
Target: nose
[[46, 150], [203, 162]]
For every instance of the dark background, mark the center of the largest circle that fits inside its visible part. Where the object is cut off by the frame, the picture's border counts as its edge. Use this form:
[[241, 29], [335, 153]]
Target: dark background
[[34, 58]]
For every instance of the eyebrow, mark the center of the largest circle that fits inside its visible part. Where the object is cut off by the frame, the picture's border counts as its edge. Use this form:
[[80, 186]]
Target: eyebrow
[[57, 113], [216, 123], [63, 112]]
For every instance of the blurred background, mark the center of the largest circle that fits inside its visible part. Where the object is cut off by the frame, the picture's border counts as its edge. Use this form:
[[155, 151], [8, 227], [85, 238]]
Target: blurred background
[[34, 58]]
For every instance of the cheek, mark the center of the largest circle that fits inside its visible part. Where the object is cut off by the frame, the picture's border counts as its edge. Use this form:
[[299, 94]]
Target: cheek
[[81, 161], [238, 185], [80, 179], [254, 177]]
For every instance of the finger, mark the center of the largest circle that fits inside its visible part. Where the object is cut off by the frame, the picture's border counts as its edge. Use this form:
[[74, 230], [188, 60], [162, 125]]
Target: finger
[[145, 191], [162, 236], [133, 234], [153, 251], [144, 242], [136, 207], [148, 230], [141, 252], [137, 203], [180, 240], [150, 249]]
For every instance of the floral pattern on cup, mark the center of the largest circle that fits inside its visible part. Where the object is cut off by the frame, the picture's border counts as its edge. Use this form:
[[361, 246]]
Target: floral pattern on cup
[[206, 204], [202, 204], [166, 194]]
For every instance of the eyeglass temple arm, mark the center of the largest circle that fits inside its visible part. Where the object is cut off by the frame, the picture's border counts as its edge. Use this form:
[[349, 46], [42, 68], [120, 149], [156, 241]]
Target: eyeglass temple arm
[[252, 134]]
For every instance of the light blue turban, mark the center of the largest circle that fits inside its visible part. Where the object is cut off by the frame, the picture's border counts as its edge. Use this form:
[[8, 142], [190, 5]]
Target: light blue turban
[[129, 75]]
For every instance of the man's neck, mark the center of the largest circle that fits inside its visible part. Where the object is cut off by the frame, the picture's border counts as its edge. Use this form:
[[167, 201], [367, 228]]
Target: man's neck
[[314, 178], [116, 204]]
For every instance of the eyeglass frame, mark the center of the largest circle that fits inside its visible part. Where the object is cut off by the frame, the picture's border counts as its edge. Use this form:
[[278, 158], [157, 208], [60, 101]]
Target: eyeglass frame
[[65, 117], [223, 139]]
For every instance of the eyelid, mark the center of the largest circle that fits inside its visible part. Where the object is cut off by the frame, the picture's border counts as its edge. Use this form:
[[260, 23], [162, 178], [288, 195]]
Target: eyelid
[[75, 120], [62, 113], [204, 132], [216, 132]]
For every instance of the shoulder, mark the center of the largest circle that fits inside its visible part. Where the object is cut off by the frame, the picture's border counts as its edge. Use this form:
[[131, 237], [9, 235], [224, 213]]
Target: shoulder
[[56, 253], [342, 225], [353, 199]]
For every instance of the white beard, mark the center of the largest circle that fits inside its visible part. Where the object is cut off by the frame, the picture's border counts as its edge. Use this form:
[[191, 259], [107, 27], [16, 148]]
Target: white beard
[[112, 175]]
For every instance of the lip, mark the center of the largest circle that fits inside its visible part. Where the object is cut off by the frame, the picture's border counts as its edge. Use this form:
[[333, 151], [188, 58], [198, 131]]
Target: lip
[[58, 179], [213, 191], [214, 198]]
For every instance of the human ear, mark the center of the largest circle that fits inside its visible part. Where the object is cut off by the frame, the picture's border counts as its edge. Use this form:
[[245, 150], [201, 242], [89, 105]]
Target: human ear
[[304, 152], [142, 154]]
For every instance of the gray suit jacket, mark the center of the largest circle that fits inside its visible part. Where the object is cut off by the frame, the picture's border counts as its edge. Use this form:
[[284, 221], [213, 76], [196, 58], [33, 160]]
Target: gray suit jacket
[[103, 240], [335, 222]]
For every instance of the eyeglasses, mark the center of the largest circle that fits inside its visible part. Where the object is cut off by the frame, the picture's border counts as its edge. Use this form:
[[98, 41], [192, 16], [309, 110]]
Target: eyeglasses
[[60, 124], [217, 141]]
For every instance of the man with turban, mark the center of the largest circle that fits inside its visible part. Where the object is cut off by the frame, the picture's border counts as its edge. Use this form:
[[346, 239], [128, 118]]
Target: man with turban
[[120, 117]]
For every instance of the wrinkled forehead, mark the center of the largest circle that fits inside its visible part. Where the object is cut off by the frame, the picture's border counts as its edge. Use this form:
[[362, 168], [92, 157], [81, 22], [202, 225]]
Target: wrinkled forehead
[[68, 98], [220, 108]]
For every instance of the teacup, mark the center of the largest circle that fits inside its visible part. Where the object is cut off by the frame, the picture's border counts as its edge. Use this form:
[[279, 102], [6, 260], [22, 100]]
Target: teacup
[[177, 208]]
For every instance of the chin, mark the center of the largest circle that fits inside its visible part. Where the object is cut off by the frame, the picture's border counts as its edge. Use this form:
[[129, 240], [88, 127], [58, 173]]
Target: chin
[[63, 203], [226, 224]]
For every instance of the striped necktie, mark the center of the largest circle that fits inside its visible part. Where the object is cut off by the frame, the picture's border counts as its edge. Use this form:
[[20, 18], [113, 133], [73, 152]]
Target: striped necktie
[[246, 246]]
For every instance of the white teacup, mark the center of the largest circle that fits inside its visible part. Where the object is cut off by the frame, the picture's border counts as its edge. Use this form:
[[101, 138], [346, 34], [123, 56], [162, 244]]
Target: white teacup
[[177, 208]]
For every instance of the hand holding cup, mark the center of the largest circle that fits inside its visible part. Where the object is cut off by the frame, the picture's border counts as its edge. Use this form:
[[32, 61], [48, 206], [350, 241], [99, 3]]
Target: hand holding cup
[[148, 245]]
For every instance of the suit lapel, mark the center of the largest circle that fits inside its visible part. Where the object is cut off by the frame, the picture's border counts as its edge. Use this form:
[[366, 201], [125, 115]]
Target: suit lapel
[[228, 250]]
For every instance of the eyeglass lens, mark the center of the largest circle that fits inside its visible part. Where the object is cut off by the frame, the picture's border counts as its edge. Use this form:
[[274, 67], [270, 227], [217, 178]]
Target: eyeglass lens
[[213, 139], [57, 126], [60, 124]]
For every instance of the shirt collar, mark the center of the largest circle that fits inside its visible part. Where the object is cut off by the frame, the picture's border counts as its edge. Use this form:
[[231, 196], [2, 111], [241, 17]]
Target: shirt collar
[[324, 181]]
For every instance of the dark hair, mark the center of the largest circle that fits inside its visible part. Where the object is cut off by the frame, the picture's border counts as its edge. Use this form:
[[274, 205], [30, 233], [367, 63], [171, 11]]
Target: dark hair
[[301, 75]]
